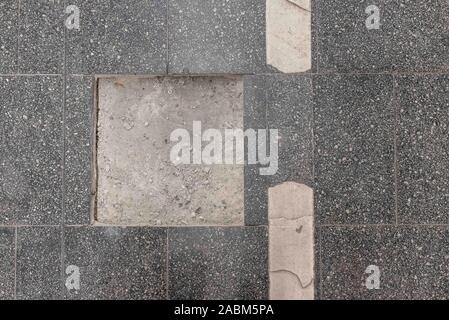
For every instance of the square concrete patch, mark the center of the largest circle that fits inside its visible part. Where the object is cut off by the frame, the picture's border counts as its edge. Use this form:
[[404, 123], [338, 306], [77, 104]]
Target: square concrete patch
[[137, 183]]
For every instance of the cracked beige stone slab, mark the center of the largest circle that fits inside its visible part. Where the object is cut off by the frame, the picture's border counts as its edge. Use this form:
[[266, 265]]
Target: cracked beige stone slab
[[303, 4], [291, 234], [288, 35], [137, 182]]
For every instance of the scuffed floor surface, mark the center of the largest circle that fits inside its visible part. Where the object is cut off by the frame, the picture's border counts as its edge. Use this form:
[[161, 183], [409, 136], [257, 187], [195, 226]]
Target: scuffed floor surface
[[363, 122]]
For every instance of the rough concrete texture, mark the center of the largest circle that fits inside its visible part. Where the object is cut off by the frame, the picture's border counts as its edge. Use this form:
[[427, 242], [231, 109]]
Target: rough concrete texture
[[290, 215], [137, 182], [288, 35]]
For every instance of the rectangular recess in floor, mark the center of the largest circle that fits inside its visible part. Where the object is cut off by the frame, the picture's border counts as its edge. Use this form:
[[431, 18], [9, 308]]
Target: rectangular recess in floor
[[137, 182]]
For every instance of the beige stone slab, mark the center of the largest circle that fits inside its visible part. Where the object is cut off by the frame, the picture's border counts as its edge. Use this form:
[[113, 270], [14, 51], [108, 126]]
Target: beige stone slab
[[291, 247], [138, 184], [288, 35], [289, 202]]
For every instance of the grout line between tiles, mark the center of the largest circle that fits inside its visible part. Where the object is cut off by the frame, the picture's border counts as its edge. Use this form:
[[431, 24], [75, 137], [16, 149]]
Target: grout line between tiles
[[315, 23], [64, 95], [316, 227], [29, 225], [15, 263], [149, 75], [167, 63], [30, 74], [395, 144], [407, 225], [320, 257], [268, 260], [17, 72], [18, 35], [127, 226], [167, 266]]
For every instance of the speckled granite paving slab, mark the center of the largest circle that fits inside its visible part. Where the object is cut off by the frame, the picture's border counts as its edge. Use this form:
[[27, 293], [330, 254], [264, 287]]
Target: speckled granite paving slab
[[354, 122], [382, 36], [117, 263], [212, 263], [283, 103], [118, 37], [213, 36], [8, 36], [410, 262], [423, 145], [31, 157]]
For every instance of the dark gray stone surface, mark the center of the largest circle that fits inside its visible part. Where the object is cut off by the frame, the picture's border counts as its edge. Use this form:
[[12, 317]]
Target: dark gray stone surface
[[119, 37], [7, 263], [214, 36], [354, 149], [255, 197], [117, 263], [8, 186], [254, 117], [78, 149], [282, 102], [8, 36], [412, 36], [38, 263], [412, 262], [32, 151], [423, 148], [290, 110], [317, 261], [218, 263], [41, 37], [345, 256]]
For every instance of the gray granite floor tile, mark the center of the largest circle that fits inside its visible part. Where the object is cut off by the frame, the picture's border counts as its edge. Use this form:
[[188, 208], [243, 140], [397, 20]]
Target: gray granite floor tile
[[284, 103], [412, 262], [412, 36], [218, 263], [317, 261], [290, 111], [422, 254], [39, 263], [7, 263], [354, 144], [78, 149], [346, 253], [32, 152], [117, 263], [421, 40], [254, 95], [8, 179], [255, 197], [214, 36], [8, 36], [423, 148], [256, 185], [119, 37], [41, 37]]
